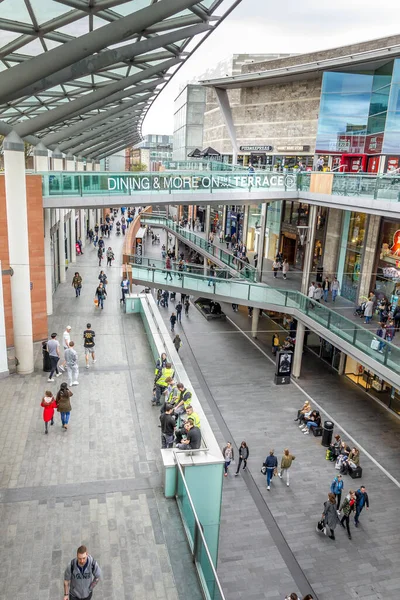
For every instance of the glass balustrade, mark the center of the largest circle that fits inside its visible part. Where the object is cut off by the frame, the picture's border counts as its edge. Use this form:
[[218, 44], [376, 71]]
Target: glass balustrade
[[243, 269], [248, 292]]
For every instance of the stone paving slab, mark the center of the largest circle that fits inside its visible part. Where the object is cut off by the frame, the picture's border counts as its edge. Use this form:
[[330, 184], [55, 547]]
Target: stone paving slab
[[100, 482]]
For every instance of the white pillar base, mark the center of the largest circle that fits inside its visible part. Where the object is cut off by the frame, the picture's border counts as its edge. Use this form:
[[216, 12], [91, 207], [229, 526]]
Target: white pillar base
[[254, 322], [298, 350]]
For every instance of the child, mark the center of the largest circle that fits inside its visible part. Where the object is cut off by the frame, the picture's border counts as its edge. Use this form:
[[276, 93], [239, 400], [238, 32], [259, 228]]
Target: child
[[49, 404]]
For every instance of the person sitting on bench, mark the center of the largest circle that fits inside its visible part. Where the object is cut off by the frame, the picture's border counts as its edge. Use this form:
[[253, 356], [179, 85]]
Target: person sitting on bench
[[314, 420], [306, 408], [352, 463]]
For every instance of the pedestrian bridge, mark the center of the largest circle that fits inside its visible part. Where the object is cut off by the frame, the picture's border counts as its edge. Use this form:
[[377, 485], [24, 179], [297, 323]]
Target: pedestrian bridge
[[332, 326], [362, 192]]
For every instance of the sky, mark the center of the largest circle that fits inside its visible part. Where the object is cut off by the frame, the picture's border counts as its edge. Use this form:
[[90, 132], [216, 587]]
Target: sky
[[264, 26]]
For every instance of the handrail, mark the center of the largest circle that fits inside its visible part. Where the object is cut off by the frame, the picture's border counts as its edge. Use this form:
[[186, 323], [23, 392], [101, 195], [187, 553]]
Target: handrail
[[232, 261], [199, 528]]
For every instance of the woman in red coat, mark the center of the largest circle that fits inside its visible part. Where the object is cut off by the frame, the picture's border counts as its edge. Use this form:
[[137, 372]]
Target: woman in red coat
[[49, 404]]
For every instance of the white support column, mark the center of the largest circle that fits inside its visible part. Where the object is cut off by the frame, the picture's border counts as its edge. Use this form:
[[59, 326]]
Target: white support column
[[58, 161], [309, 251], [261, 243], [225, 108], [254, 322], [48, 260], [342, 363], [41, 158], [89, 165], [18, 249], [61, 245], [207, 222], [298, 350], [91, 218], [96, 166], [245, 224], [3, 342], [70, 165]]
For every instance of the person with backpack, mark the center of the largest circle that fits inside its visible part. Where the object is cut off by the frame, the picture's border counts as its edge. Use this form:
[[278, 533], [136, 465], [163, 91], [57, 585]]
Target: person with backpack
[[81, 576], [243, 456], [347, 508], [336, 488], [64, 404], [49, 404]]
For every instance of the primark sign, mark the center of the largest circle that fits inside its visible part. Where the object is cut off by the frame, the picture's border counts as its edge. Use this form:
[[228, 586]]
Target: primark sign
[[175, 183]]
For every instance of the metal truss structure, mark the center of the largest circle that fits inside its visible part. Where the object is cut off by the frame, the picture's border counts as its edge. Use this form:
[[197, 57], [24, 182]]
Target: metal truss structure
[[79, 76]]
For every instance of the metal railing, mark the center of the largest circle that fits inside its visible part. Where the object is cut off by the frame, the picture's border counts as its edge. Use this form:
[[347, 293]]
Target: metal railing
[[206, 570], [249, 293], [244, 270]]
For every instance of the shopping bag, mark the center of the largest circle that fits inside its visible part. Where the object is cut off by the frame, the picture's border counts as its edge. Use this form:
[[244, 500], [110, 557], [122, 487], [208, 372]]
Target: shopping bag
[[321, 527], [96, 302], [375, 344], [263, 469]]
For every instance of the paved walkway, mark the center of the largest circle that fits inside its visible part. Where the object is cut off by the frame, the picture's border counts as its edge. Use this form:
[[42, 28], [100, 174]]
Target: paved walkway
[[236, 380], [100, 482]]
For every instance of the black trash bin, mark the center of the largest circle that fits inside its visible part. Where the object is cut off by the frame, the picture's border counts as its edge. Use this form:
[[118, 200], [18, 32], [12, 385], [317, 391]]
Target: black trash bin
[[46, 358], [327, 434]]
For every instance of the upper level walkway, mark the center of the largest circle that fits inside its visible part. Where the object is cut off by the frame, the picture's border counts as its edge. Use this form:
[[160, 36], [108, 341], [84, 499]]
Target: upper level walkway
[[362, 192]]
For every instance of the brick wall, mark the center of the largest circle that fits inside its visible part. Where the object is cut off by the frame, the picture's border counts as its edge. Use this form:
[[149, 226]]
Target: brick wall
[[36, 257]]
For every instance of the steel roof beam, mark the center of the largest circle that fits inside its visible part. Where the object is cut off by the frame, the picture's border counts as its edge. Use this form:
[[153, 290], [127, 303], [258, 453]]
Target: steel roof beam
[[79, 105], [69, 53], [99, 130], [107, 59], [58, 136], [116, 130], [108, 149]]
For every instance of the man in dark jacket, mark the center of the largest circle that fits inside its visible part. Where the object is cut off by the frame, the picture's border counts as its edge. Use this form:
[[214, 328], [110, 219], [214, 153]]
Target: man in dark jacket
[[167, 427], [271, 463], [361, 501]]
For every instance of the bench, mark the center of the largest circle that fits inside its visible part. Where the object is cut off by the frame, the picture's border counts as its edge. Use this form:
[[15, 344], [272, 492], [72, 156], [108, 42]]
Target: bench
[[317, 431]]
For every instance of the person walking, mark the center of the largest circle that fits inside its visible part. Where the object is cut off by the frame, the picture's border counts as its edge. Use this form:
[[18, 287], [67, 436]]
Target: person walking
[[100, 255], [168, 266], [88, 344], [66, 341], [103, 279], [326, 286], [336, 488], [101, 294], [64, 404], [178, 309], [187, 306], [110, 256], [330, 516], [271, 464], [275, 268], [275, 343], [318, 292], [124, 288], [244, 454], [172, 320], [227, 453], [335, 287], [49, 404], [77, 284], [71, 358], [285, 268], [368, 311], [53, 348], [361, 501], [165, 295], [347, 508], [177, 342], [286, 463], [81, 576]]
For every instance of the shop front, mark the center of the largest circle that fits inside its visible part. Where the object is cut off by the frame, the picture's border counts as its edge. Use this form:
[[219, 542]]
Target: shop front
[[387, 283], [373, 384], [323, 349], [351, 254], [295, 215]]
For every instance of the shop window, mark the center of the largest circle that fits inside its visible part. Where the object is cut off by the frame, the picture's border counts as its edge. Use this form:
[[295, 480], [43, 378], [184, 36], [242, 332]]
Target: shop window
[[388, 265]]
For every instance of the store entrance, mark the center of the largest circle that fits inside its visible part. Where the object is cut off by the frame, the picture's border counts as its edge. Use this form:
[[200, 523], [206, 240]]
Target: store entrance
[[289, 249]]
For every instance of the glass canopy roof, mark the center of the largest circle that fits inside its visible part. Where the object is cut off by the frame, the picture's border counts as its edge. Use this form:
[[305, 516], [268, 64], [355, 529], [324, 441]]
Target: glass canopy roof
[[76, 72]]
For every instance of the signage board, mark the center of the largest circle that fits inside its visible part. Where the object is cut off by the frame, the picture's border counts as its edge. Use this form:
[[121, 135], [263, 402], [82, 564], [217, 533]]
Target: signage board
[[256, 148], [293, 149], [138, 250], [165, 182], [283, 367]]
